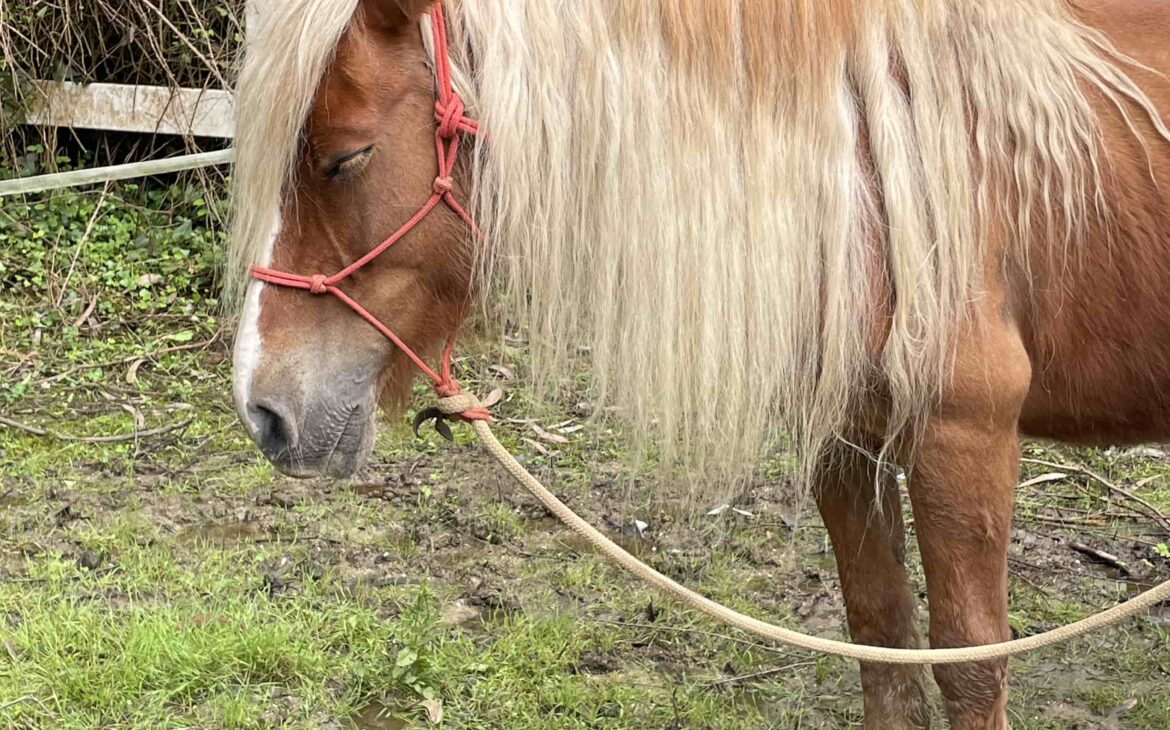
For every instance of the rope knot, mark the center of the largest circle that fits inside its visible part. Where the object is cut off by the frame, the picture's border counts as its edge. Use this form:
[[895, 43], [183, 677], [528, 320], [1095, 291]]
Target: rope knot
[[443, 184], [452, 406], [456, 404], [449, 112], [317, 284]]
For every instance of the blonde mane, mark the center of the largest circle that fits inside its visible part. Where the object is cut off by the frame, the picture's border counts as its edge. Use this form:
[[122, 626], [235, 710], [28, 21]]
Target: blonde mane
[[696, 190], [284, 61]]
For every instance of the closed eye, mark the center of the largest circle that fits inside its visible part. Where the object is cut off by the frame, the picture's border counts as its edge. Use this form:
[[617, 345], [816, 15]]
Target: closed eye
[[348, 165]]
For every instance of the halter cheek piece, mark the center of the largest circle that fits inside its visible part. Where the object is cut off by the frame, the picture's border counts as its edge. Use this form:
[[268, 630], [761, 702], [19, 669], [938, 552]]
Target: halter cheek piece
[[451, 121]]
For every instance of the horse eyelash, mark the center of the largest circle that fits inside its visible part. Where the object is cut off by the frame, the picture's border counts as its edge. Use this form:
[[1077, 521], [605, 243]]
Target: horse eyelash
[[338, 169]]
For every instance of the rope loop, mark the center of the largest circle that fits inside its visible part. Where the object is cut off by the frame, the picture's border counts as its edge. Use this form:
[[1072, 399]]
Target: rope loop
[[1134, 607]]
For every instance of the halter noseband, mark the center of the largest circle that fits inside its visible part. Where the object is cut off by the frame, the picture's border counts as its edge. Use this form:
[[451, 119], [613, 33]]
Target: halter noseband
[[449, 114]]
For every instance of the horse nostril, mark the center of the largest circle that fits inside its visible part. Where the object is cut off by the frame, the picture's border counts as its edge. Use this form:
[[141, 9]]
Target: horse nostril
[[275, 433]]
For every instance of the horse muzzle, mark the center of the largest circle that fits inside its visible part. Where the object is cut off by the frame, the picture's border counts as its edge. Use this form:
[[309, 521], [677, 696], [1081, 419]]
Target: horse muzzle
[[330, 438], [311, 414]]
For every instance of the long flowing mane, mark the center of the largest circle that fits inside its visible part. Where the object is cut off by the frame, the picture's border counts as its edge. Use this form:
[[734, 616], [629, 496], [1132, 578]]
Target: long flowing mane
[[701, 192]]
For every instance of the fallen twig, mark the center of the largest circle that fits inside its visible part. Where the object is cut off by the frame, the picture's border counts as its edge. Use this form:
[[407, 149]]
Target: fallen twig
[[684, 630], [93, 219], [758, 675], [118, 438], [1100, 556], [125, 360], [1150, 510], [20, 700], [85, 312]]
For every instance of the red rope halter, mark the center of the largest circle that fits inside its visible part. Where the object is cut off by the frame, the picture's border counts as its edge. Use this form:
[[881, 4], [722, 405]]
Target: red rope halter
[[451, 121]]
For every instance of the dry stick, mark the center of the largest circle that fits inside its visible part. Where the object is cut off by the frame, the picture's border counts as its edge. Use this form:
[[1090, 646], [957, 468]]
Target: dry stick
[[20, 700], [758, 675], [96, 439], [93, 219], [126, 360], [686, 630], [1100, 556], [1153, 511], [187, 42]]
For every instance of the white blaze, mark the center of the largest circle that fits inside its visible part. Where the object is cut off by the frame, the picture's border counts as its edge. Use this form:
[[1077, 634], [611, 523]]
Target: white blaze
[[246, 354]]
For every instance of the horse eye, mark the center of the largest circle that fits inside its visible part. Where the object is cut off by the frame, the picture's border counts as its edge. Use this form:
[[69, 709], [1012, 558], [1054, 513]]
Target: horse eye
[[348, 165]]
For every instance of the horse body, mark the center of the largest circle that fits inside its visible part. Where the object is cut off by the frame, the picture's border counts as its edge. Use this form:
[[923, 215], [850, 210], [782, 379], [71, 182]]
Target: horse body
[[1092, 320], [972, 241]]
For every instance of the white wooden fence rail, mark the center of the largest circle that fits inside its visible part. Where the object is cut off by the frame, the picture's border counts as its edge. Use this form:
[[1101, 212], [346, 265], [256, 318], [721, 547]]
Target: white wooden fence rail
[[126, 108]]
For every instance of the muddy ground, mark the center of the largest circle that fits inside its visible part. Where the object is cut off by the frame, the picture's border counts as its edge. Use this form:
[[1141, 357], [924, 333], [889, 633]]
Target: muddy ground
[[441, 516]]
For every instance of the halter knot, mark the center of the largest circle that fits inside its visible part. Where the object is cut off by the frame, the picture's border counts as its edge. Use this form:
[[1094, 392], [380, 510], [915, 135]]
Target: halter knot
[[449, 113], [464, 406], [317, 284], [443, 184]]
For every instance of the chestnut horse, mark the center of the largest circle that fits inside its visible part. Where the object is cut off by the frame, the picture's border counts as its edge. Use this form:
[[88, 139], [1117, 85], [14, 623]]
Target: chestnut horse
[[886, 231]]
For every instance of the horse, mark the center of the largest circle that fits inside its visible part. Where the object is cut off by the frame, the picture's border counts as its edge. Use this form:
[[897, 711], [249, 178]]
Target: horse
[[877, 232]]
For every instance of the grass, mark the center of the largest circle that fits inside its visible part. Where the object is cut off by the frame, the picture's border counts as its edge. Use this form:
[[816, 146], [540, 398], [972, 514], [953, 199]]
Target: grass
[[176, 582], [172, 635]]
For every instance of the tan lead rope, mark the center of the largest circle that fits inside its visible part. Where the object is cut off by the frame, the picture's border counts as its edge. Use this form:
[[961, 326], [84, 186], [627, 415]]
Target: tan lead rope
[[462, 402]]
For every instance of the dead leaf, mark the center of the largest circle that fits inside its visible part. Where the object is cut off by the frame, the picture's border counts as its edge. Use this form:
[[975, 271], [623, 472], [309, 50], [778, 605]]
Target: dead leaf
[[502, 371], [434, 711], [1049, 477], [493, 398], [552, 438], [132, 373]]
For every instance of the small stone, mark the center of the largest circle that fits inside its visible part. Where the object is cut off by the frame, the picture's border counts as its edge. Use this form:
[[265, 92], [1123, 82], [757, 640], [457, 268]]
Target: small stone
[[458, 613], [284, 501], [89, 560], [273, 583]]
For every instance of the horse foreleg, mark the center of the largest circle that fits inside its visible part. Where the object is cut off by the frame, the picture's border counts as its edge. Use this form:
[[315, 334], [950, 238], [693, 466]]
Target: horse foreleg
[[964, 472], [869, 544]]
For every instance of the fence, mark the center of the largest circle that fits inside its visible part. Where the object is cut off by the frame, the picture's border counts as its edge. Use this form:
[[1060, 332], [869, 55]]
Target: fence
[[161, 110]]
